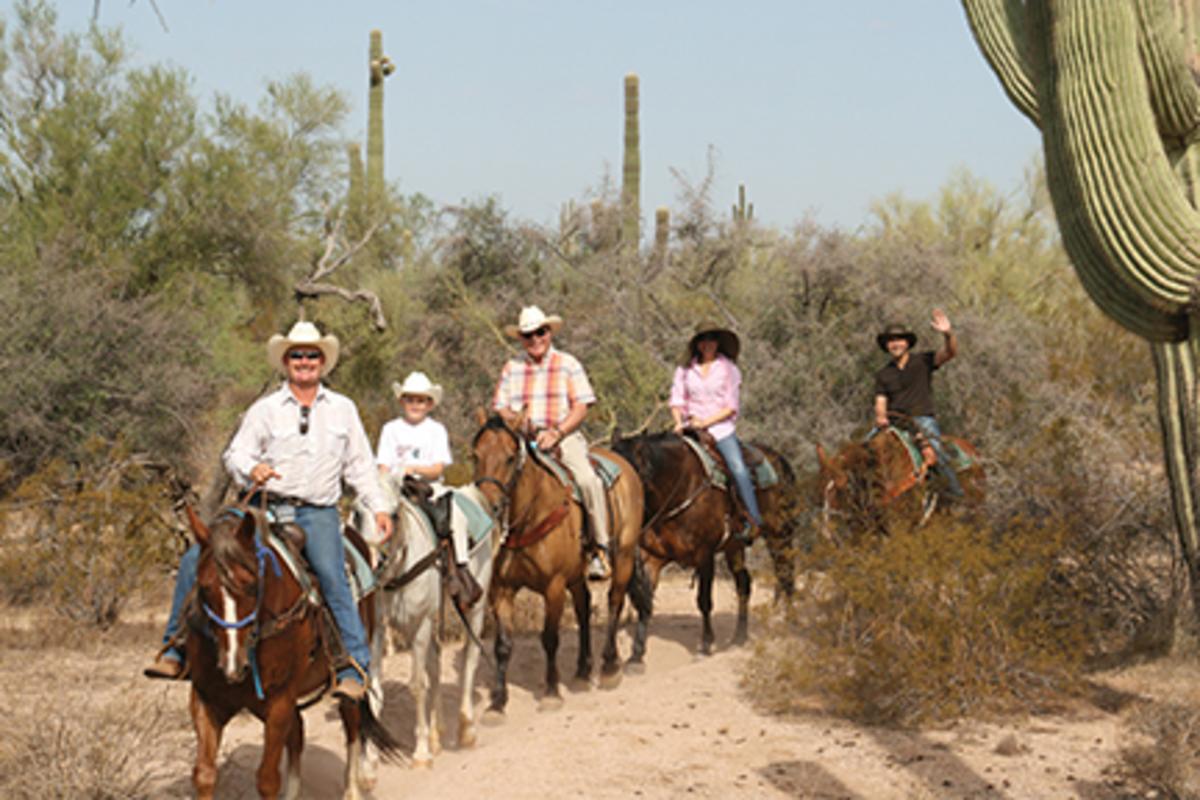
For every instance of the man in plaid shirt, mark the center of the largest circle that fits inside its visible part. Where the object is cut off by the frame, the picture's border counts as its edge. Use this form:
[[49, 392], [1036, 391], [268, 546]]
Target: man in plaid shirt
[[553, 390]]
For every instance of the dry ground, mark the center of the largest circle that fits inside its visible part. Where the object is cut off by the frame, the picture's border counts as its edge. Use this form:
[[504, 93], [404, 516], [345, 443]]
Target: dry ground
[[683, 729]]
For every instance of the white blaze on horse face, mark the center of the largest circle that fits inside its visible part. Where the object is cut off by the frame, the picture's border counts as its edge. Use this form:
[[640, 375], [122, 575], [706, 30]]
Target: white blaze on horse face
[[231, 647]]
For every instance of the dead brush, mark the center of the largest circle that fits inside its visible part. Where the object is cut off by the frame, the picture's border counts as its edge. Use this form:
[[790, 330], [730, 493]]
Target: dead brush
[[71, 748], [923, 626], [1166, 758]]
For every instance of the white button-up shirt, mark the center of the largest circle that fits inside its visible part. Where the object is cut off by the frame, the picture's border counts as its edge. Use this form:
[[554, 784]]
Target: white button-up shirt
[[312, 464]]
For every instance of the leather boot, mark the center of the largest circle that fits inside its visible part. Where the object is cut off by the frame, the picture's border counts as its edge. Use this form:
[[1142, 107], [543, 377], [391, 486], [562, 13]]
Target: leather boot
[[464, 590]]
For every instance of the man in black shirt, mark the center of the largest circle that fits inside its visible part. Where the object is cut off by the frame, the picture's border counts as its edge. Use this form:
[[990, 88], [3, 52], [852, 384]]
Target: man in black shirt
[[904, 388]]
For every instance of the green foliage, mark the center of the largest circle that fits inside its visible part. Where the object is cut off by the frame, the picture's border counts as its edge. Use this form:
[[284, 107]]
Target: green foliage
[[82, 538], [926, 625]]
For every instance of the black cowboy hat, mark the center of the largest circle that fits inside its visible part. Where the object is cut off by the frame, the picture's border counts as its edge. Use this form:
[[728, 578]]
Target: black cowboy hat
[[728, 344], [896, 331]]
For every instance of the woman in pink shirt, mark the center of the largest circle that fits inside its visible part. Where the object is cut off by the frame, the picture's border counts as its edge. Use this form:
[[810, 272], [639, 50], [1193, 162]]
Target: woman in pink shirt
[[704, 396]]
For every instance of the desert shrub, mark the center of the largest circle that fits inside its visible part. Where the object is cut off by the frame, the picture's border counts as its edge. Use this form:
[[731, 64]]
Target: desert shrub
[[1165, 761], [83, 537], [80, 750], [923, 626]]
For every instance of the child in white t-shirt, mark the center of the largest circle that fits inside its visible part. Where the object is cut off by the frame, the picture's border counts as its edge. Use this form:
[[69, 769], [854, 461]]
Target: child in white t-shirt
[[418, 445]]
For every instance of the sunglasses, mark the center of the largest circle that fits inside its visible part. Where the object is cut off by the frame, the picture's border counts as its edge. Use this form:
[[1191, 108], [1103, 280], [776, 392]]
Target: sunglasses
[[304, 355], [304, 412], [542, 331]]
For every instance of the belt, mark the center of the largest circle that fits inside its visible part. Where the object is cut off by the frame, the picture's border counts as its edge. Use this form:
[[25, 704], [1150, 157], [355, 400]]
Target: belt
[[255, 499]]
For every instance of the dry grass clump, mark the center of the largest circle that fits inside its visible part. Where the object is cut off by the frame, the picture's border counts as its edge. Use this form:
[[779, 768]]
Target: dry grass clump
[[924, 626], [69, 748], [1166, 759]]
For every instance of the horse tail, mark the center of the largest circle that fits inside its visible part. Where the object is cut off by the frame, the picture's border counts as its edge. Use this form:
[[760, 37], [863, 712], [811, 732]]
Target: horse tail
[[374, 731], [641, 594]]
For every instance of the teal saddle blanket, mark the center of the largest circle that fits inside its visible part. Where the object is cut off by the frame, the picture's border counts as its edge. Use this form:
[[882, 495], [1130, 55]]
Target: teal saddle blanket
[[358, 569], [607, 469], [763, 473], [959, 458], [468, 511]]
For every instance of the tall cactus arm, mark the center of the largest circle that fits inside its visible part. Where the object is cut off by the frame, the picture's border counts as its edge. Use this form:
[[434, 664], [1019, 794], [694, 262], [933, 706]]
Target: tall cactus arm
[[1173, 91], [1126, 219], [1175, 367], [998, 27]]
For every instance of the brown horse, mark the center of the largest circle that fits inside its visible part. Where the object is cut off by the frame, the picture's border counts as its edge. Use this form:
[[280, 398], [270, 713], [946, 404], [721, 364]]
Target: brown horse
[[868, 483], [688, 520], [256, 641], [542, 550]]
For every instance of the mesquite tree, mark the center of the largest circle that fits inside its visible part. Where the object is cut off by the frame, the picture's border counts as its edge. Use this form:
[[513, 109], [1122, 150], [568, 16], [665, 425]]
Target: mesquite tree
[[1112, 88]]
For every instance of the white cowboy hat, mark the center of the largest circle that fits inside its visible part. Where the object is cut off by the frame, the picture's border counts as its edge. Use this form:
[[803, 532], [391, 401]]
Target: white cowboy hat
[[419, 383], [530, 320], [303, 333]]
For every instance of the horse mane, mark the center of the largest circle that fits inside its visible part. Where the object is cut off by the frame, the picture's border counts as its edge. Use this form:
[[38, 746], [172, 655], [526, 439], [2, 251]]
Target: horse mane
[[227, 549], [494, 423]]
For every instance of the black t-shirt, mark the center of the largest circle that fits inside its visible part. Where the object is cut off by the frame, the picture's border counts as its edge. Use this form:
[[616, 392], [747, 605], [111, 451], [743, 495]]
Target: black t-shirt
[[909, 390]]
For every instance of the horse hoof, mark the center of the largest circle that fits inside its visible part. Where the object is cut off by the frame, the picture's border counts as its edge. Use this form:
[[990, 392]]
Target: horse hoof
[[580, 684], [423, 762], [610, 680], [635, 667], [493, 717], [467, 738], [739, 641], [550, 703]]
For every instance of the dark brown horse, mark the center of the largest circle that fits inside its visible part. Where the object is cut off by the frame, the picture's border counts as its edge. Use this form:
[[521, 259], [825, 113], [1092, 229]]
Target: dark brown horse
[[543, 550], [869, 483], [688, 520], [256, 642]]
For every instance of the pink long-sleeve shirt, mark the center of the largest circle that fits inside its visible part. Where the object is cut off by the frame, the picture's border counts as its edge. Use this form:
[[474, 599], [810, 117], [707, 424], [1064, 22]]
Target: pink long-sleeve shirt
[[699, 396]]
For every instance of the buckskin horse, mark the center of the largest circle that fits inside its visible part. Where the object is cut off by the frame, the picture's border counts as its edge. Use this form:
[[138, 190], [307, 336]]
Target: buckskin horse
[[543, 550], [886, 478], [257, 642], [689, 519]]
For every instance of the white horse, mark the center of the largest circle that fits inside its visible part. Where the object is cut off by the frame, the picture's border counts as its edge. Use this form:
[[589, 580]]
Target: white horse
[[412, 610]]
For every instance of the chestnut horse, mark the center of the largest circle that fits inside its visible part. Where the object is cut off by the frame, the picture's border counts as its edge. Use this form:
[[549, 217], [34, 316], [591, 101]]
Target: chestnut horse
[[256, 641], [689, 520], [542, 550], [868, 483]]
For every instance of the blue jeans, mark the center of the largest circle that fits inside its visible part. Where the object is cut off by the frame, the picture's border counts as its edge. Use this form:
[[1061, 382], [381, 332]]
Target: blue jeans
[[324, 550], [929, 427], [731, 451]]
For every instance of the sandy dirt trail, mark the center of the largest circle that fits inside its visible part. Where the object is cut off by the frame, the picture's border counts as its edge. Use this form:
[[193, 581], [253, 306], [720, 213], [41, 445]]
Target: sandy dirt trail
[[685, 729]]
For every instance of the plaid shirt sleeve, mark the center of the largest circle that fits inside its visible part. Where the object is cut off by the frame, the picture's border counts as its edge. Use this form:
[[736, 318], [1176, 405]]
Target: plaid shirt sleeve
[[502, 398], [579, 388]]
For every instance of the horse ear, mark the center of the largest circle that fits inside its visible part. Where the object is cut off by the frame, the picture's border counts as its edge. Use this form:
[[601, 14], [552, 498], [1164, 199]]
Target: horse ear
[[823, 459], [519, 424], [199, 531], [480, 416]]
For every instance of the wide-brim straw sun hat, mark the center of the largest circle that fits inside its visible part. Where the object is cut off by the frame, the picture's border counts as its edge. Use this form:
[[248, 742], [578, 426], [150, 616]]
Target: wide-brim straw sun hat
[[303, 334], [418, 383], [896, 331], [728, 343], [532, 318]]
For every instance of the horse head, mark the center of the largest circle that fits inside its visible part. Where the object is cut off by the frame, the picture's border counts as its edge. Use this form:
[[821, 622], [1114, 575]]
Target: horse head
[[499, 453], [229, 578]]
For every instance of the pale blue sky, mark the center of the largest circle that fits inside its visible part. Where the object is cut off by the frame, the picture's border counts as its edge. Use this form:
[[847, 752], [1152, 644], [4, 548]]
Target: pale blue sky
[[818, 107]]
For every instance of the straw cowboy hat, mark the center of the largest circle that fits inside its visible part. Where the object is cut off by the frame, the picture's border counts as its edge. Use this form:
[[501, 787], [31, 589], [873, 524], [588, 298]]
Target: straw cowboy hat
[[530, 320], [728, 344], [418, 383], [303, 334], [896, 331]]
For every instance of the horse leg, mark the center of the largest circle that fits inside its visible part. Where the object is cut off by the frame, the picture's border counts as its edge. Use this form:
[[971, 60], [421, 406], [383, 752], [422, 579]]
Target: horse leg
[[581, 597], [466, 708], [435, 682], [209, 723], [704, 603], [736, 559], [419, 686], [624, 571], [295, 746], [503, 610], [554, 599], [378, 632], [277, 722], [352, 727], [646, 570]]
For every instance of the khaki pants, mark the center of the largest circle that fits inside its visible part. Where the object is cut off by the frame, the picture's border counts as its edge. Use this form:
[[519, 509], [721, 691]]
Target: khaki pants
[[574, 454]]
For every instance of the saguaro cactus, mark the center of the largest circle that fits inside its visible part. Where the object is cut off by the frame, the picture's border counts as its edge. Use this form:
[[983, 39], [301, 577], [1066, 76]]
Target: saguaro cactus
[[1110, 85], [631, 188], [742, 212], [380, 66]]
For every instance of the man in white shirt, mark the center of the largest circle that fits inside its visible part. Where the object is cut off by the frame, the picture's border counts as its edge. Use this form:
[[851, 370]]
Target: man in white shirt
[[415, 444], [298, 444]]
